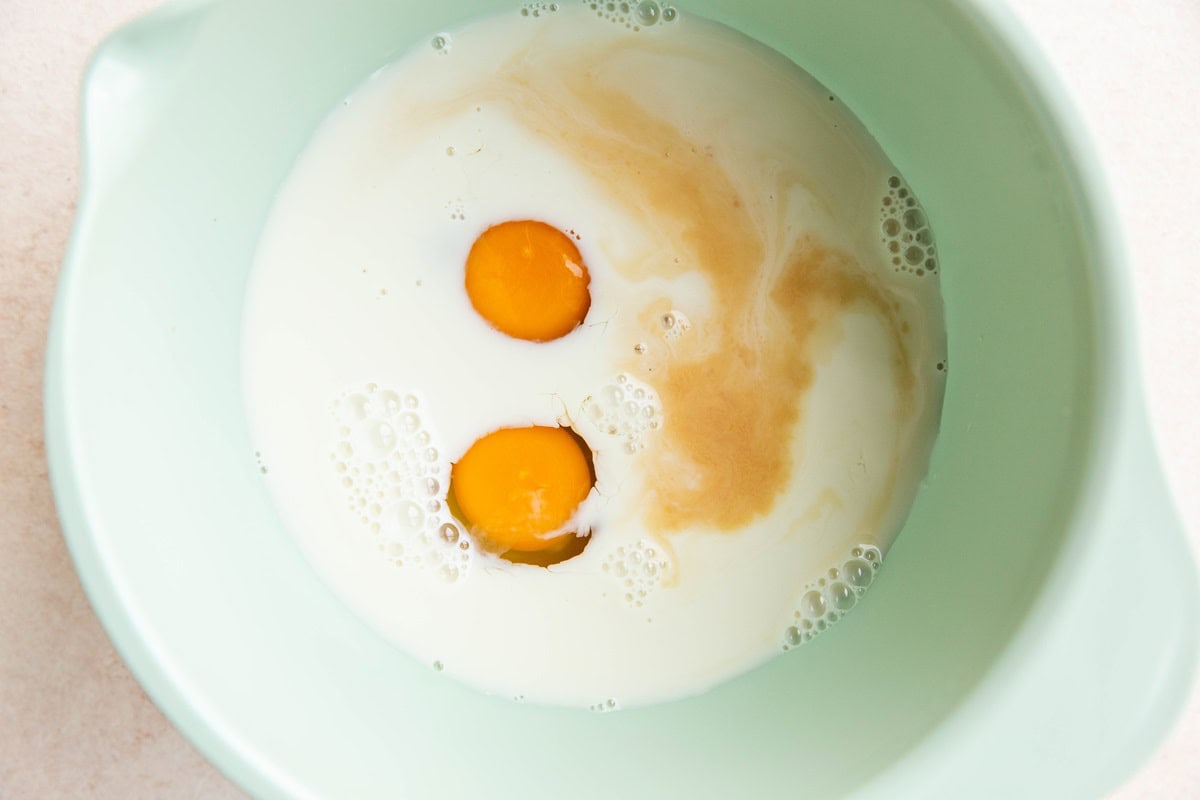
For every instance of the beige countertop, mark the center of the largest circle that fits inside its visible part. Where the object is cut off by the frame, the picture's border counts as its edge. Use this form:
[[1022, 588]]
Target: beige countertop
[[74, 722]]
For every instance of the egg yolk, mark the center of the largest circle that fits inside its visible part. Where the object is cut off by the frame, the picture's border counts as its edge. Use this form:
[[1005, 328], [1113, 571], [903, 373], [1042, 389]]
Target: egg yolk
[[528, 280], [516, 486]]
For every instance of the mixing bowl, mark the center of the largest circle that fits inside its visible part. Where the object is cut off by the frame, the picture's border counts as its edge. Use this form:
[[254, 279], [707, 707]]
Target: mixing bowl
[[1032, 632]]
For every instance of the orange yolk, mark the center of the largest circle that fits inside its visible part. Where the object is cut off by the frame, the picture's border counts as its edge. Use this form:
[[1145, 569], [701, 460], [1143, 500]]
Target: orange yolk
[[515, 486], [528, 280]]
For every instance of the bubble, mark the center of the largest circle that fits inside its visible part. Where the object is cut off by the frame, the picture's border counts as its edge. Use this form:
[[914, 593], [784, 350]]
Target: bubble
[[639, 348], [432, 487], [410, 516], [924, 236], [857, 571], [410, 422], [843, 596], [389, 401], [449, 533], [813, 604], [433, 506], [441, 43], [669, 13], [410, 401], [381, 436], [438, 666], [667, 321], [894, 182], [793, 636], [430, 454], [914, 219], [891, 227], [647, 12]]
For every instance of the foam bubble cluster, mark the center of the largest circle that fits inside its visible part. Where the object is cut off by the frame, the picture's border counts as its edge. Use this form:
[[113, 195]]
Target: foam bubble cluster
[[625, 409], [396, 478], [905, 230], [603, 706], [455, 207], [640, 568], [538, 9], [674, 324], [633, 15], [825, 600]]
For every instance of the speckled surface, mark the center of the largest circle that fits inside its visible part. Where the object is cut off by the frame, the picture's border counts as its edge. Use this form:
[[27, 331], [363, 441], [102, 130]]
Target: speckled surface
[[74, 722]]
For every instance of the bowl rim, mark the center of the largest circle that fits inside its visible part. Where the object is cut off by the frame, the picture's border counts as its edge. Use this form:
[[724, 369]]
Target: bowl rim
[[1116, 395]]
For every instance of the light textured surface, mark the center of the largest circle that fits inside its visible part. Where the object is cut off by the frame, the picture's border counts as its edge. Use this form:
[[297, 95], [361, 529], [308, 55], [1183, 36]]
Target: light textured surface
[[1134, 72], [74, 723]]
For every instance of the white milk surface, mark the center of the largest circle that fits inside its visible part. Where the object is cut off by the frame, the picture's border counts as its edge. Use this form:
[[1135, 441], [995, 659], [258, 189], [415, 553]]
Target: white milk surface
[[741, 235]]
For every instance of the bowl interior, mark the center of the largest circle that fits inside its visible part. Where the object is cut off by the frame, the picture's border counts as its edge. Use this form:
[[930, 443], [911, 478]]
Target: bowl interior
[[231, 630]]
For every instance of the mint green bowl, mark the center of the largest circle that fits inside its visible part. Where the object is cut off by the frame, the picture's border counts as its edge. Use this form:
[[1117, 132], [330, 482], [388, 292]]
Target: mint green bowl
[[1032, 634]]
